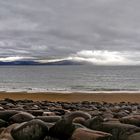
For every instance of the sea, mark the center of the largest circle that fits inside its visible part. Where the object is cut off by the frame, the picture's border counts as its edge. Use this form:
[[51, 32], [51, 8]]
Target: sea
[[70, 78]]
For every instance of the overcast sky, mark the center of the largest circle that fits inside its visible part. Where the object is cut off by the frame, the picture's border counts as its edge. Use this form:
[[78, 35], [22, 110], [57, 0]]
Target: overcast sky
[[89, 30]]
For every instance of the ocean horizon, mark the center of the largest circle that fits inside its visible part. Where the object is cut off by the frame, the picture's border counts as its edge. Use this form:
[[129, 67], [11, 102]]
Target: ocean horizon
[[70, 78]]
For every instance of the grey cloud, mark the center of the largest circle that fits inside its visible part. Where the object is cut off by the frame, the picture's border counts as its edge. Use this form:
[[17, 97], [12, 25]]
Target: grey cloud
[[55, 28]]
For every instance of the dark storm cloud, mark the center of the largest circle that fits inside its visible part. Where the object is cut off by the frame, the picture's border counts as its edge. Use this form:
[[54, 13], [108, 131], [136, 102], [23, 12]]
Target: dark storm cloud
[[59, 29]]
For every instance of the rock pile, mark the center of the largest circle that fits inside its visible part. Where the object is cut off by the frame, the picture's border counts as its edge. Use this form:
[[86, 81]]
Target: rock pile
[[45, 120]]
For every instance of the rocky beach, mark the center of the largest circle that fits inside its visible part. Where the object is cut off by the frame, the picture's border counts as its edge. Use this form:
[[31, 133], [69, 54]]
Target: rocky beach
[[26, 119]]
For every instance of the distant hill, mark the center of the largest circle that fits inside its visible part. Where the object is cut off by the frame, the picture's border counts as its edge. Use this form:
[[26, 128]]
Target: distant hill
[[63, 62], [19, 63]]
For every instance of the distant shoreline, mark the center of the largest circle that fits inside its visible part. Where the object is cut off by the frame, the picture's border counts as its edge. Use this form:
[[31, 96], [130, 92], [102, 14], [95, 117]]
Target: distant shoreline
[[73, 97]]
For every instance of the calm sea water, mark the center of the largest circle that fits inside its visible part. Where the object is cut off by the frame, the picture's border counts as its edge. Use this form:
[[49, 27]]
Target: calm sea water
[[69, 78]]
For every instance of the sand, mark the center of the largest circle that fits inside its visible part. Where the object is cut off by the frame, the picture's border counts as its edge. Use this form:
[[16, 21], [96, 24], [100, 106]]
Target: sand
[[73, 97]]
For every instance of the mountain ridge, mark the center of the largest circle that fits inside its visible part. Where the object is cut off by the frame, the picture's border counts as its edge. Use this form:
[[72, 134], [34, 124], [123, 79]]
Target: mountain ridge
[[26, 62]]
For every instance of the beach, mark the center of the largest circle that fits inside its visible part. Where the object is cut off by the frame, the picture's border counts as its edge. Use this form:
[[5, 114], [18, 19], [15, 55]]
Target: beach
[[74, 97], [69, 116]]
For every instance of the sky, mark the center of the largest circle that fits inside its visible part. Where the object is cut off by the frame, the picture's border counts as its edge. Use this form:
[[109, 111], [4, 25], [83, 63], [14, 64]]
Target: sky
[[102, 32]]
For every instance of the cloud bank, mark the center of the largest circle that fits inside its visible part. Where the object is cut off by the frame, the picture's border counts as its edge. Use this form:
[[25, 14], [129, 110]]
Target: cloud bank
[[93, 57], [104, 57], [101, 57], [107, 31]]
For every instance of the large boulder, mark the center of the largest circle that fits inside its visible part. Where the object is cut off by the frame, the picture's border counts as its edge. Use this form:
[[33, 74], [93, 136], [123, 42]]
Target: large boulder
[[94, 122], [62, 130], [5, 115], [131, 119], [87, 134], [21, 117], [6, 132], [76, 114], [119, 131], [32, 130]]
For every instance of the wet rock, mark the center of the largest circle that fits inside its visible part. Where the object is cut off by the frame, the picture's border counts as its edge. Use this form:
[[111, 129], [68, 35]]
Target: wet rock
[[33, 130], [94, 122], [21, 117], [6, 133], [107, 114], [10, 100], [131, 119], [63, 130], [119, 131], [120, 114], [127, 107], [115, 109], [87, 134], [79, 120], [95, 113], [76, 114], [5, 115]]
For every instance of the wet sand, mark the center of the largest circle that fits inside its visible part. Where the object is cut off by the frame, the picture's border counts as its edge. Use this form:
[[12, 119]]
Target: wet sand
[[73, 97]]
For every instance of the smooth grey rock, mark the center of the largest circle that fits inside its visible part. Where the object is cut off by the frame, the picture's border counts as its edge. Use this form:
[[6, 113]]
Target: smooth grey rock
[[21, 117], [6, 114], [119, 131], [32, 130], [87, 134], [6, 133]]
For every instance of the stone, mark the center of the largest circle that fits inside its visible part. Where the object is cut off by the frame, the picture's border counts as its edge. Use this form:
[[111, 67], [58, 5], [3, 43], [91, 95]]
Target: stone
[[62, 130], [21, 117], [119, 131], [6, 133], [87, 134], [94, 122], [76, 114], [32, 130], [6, 114], [131, 119]]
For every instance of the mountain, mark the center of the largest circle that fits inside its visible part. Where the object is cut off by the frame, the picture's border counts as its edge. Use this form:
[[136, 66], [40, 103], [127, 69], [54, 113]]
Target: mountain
[[19, 63], [62, 62]]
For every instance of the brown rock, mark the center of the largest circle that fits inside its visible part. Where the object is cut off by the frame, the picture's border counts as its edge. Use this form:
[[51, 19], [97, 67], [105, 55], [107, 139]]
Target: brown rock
[[21, 117], [6, 133], [131, 119], [87, 134], [119, 131]]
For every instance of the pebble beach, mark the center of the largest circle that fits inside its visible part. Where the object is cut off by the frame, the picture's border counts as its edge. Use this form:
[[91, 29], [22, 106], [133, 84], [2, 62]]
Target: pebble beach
[[79, 116]]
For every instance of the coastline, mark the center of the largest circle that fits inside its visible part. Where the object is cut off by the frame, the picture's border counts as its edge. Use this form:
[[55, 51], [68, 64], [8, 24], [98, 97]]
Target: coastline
[[74, 96]]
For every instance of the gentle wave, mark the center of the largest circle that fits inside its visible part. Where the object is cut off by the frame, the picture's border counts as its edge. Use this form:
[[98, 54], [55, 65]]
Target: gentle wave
[[69, 79], [60, 90]]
